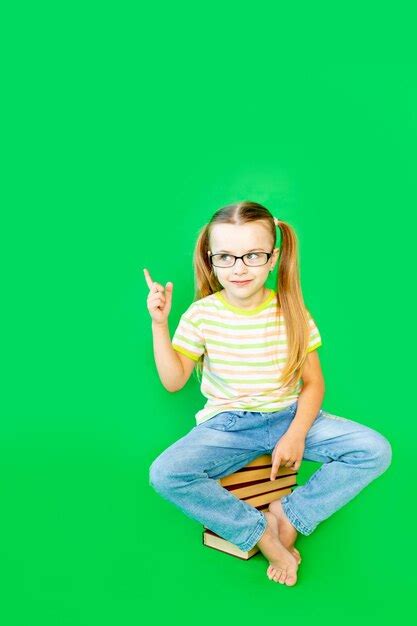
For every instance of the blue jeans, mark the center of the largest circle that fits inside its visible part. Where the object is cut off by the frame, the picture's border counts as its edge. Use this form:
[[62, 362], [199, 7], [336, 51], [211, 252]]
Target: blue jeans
[[186, 472]]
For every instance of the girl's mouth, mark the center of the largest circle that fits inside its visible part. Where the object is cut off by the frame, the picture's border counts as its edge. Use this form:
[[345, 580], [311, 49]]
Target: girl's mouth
[[241, 283]]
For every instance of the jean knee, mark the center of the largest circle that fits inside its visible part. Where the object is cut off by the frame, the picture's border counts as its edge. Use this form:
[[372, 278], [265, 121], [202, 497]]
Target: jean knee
[[383, 450], [157, 475]]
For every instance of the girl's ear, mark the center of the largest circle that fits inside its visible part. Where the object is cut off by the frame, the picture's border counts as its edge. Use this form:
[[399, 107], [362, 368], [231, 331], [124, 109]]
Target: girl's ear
[[274, 258]]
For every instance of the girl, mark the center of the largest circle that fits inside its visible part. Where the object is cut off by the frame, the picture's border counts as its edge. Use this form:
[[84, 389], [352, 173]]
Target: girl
[[253, 346]]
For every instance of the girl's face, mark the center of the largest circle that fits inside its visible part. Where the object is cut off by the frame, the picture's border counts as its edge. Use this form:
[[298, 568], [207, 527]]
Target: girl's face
[[239, 240]]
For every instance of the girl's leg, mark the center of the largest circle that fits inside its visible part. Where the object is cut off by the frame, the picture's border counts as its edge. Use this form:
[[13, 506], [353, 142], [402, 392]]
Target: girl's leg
[[186, 473], [352, 454]]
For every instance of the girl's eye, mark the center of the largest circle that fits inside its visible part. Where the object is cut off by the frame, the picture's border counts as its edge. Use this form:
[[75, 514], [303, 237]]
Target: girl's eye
[[224, 255], [252, 254]]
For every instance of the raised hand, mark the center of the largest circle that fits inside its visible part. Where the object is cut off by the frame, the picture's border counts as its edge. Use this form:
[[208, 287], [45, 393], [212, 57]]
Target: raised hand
[[159, 301]]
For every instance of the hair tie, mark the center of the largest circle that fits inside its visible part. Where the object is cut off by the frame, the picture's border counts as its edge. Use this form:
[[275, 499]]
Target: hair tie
[[276, 220]]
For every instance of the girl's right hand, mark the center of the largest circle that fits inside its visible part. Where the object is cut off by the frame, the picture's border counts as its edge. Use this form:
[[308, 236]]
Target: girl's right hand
[[159, 303]]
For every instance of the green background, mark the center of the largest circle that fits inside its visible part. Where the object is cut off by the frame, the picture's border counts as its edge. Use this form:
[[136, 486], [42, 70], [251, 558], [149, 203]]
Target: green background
[[124, 128]]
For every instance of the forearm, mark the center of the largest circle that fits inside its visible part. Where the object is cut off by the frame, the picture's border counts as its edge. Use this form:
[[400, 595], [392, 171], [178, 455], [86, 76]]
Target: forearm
[[308, 405], [168, 364]]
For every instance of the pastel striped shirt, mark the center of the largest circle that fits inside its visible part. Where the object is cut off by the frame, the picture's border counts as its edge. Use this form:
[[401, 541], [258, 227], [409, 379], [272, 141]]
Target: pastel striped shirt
[[244, 353]]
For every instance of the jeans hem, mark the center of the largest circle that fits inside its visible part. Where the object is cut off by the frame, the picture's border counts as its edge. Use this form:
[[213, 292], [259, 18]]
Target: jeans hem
[[294, 519], [256, 535]]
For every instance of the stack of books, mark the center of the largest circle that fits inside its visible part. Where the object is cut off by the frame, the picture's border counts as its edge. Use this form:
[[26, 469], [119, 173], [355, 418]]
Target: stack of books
[[252, 483]]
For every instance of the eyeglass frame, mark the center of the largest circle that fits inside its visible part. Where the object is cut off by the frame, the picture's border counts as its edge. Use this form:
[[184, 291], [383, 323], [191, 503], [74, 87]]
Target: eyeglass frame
[[268, 256]]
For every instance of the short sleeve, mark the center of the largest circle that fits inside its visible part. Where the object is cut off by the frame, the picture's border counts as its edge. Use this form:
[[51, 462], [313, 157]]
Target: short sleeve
[[315, 338], [188, 337]]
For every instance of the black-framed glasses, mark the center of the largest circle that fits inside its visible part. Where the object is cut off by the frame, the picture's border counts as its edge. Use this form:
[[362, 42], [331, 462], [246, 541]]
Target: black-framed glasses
[[252, 259]]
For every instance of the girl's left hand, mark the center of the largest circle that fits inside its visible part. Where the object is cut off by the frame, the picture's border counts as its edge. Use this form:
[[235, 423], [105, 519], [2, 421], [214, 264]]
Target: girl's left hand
[[288, 451]]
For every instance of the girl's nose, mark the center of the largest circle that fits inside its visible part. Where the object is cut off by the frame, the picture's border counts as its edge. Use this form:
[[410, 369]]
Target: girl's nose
[[240, 266]]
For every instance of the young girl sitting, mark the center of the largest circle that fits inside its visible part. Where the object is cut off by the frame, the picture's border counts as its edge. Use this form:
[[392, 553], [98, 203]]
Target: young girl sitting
[[251, 347]]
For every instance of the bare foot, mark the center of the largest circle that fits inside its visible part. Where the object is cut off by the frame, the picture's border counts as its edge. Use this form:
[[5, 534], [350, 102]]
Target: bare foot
[[272, 572], [281, 560], [287, 533]]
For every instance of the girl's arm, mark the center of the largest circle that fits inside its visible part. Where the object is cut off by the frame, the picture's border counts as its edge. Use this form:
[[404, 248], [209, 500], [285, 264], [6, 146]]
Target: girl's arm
[[311, 395], [168, 363], [308, 405]]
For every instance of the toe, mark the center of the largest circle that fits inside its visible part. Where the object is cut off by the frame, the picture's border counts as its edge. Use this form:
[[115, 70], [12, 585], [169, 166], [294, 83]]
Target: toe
[[277, 575], [283, 576], [291, 580]]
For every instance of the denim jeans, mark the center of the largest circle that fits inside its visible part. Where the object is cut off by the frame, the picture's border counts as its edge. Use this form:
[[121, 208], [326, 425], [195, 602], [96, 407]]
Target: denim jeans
[[186, 472]]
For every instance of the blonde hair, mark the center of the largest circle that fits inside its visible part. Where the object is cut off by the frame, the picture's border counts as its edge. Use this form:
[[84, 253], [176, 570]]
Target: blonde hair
[[288, 288]]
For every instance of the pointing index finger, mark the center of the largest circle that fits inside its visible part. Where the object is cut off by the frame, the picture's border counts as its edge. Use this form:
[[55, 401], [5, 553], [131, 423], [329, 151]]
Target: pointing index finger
[[148, 278], [275, 467]]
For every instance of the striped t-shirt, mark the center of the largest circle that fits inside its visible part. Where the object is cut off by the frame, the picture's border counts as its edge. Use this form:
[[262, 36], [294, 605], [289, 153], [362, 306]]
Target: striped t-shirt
[[244, 353]]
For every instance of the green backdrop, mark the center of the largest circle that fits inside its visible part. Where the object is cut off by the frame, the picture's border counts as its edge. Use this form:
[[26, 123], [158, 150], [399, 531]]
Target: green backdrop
[[124, 129]]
